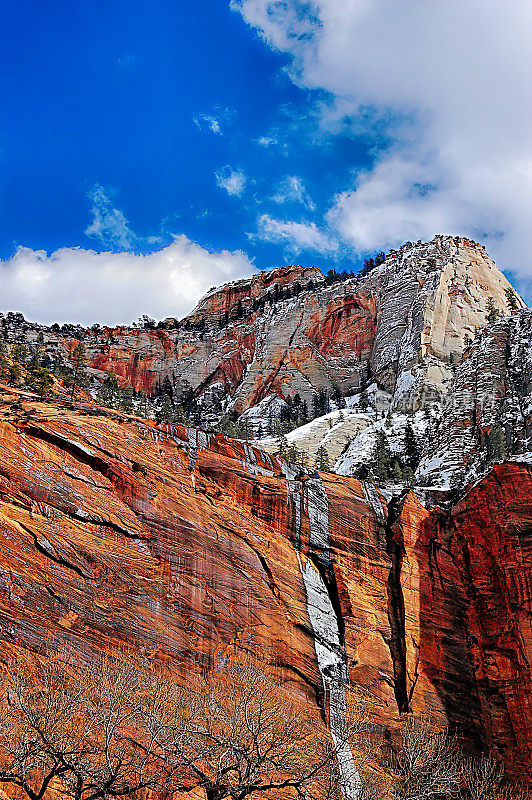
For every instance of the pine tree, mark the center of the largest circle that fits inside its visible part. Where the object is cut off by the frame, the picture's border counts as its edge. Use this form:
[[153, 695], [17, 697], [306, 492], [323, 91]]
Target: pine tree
[[363, 401], [126, 400], [14, 373], [34, 362], [165, 413], [492, 311], [43, 381], [143, 404], [397, 472], [108, 391], [412, 453], [282, 446], [180, 418], [293, 455], [303, 459], [4, 367], [511, 298], [245, 430], [381, 466], [322, 459]]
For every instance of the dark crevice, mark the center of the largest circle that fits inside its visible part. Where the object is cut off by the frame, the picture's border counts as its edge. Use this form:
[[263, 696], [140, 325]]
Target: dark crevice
[[396, 607], [93, 461], [78, 451], [271, 582], [62, 562], [317, 688], [326, 569], [54, 595]]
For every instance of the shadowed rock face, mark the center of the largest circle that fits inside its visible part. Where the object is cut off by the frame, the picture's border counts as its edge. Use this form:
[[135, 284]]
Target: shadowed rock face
[[187, 546]]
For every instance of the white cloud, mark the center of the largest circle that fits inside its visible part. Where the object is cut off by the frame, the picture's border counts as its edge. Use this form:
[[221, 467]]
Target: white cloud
[[296, 236], [109, 224], [449, 84], [77, 285], [232, 180], [207, 120], [267, 141], [215, 120], [292, 189]]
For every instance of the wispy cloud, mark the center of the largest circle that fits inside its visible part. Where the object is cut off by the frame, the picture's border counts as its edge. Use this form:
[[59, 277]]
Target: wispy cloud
[[296, 236], [292, 189], [215, 121], [232, 180], [267, 141], [109, 225]]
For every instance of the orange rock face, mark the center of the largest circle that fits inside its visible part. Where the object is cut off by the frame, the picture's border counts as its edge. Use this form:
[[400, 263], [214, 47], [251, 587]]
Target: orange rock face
[[188, 546]]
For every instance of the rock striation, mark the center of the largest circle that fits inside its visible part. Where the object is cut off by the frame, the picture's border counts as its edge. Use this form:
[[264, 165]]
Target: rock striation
[[488, 414], [188, 546], [405, 325]]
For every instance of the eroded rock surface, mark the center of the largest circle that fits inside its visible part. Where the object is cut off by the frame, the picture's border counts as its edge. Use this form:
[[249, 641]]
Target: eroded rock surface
[[404, 325], [487, 416], [187, 546]]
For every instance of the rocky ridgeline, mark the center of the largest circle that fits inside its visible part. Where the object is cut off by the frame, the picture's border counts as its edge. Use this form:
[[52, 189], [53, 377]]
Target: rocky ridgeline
[[188, 547], [251, 346]]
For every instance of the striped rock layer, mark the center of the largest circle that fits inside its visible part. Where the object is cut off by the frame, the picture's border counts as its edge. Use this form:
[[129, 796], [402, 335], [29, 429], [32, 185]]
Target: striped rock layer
[[404, 325], [188, 547]]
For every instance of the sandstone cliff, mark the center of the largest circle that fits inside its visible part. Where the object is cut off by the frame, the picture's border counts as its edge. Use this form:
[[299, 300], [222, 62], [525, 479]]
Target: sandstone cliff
[[404, 325], [488, 414], [186, 546]]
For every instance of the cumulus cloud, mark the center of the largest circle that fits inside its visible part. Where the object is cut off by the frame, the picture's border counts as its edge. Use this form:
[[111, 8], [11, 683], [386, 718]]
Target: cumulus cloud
[[446, 84], [292, 189], [296, 236], [77, 285], [232, 180]]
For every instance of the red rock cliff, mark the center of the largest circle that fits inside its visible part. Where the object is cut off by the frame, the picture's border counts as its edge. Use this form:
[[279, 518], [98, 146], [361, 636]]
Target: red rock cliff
[[186, 545]]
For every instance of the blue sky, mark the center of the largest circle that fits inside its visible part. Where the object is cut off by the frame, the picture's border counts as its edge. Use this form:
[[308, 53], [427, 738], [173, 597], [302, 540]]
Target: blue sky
[[125, 96], [257, 132]]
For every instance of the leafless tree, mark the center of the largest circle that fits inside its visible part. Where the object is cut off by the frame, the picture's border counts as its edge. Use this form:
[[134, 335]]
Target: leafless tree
[[84, 732], [428, 763], [116, 728], [482, 777], [239, 735]]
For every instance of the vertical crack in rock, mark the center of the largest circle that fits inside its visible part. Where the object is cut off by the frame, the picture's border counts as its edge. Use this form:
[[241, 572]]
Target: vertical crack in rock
[[325, 618], [396, 608]]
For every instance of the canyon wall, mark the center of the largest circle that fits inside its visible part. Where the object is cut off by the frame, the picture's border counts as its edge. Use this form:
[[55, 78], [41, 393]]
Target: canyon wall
[[189, 547]]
